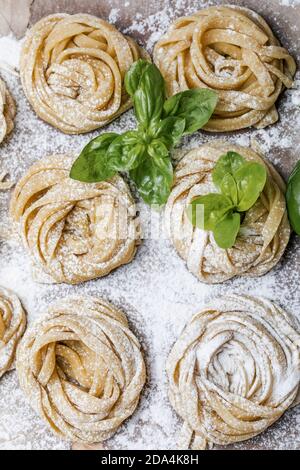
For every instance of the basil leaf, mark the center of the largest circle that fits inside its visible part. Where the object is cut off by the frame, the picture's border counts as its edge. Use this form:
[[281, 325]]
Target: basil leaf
[[227, 229], [91, 166], [153, 180], [250, 179], [170, 130], [293, 198], [215, 206], [195, 106], [158, 152], [228, 187], [149, 97], [228, 163], [126, 152], [295, 172], [293, 206], [134, 74]]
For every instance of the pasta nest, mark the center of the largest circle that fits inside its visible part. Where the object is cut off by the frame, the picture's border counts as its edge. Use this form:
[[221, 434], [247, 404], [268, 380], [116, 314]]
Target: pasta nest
[[72, 71], [264, 232], [234, 371], [74, 231], [233, 51], [12, 326], [7, 111], [82, 369]]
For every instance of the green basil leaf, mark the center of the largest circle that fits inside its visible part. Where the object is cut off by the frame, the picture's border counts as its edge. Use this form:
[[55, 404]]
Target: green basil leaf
[[215, 206], [228, 187], [149, 97], [293, 198], [295, 173], [134, 74], [195, 106], [250, 179], [158, 152], [169, 130], [91, 166], [126, 152], [171, 105], [228, 163], [293, 206], [154, 181], [227, 229]]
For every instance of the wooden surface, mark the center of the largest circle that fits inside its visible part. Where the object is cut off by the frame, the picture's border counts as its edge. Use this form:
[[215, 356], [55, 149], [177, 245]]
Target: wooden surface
[[285, 22], [12, 23]]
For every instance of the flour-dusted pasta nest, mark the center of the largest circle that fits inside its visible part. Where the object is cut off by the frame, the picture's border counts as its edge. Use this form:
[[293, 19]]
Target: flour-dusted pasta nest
[[74, 231], [7, 111], [72, 71], [4, 185], [234, 371], [264, 232], [82, 369], [233, 51], [12, 326]]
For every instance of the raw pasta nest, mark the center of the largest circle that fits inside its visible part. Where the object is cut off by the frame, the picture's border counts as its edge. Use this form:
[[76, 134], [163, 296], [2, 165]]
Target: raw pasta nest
[[4, 185], [7, 111], [264, 232], [12, 326], [234, 371], [82, 369], [72, 71], [74, 231], [233, 51]]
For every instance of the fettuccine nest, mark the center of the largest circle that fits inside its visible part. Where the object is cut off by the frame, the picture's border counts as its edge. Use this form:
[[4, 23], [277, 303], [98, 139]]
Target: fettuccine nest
[[72, 71], [82, 369], [7, 111], [233, 51], [234, 371], [264, 232], [74, 231], [12, 326]]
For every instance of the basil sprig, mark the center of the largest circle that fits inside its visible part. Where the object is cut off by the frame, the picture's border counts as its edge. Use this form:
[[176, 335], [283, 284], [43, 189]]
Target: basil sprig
[[239, 183], [293, 198], [144, 153]]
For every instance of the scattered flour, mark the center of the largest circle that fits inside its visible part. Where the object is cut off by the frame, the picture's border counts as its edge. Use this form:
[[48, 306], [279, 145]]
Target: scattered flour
[[156, 291], [10, 49], [289, 3], [114, 15]]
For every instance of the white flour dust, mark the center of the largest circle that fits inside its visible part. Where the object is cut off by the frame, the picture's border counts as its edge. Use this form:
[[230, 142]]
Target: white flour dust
[[156, 291], [10, 49]]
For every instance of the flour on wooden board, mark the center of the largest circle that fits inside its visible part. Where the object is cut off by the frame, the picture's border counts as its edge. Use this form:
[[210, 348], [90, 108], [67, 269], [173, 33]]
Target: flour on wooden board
[[157, 319]]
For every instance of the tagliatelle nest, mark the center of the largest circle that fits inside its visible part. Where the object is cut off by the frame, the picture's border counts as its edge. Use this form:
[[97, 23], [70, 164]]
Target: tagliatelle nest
[[72, 71], [7, 111], [234, 371], [4, 185], [264, 231], [233, 51], [74, 231], [82, 369], [12, 326]]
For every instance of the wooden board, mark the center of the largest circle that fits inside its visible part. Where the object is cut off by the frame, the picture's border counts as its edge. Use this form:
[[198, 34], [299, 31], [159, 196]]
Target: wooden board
[[282, 144]]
